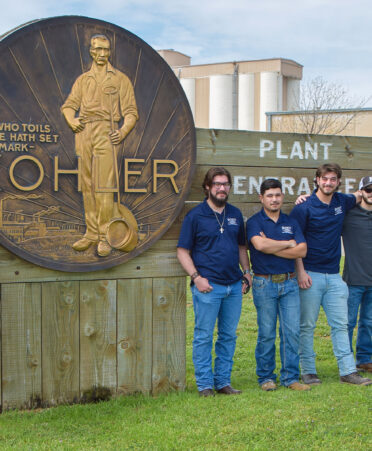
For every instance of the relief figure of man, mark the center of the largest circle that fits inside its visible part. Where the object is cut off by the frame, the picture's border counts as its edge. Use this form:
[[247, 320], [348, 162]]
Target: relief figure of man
[[99, 99]]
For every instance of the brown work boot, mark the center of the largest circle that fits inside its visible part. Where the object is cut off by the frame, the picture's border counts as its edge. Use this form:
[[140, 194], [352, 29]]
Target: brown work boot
[[365, 367], [268, 386], [83, 244], [103, 249], [296, 386], [228, 390], [355, 379]]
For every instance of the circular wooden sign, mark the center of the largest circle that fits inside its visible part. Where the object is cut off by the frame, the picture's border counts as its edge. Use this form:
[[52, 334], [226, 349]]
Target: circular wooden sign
[[97, 144]]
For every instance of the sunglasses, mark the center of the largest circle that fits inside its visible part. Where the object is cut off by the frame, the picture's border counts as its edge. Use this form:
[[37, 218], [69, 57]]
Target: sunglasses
[[368, 190]]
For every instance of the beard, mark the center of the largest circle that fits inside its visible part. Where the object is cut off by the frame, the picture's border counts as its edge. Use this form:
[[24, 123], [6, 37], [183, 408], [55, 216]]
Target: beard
[[367, 199], [327, 191], [218, 202]]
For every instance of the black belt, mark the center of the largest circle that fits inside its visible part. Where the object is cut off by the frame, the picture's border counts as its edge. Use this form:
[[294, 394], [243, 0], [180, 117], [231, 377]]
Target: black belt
[[278, 278]]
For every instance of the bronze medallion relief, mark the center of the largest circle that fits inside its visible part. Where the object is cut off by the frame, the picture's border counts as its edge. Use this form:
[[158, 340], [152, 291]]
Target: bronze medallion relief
[[97, 144]]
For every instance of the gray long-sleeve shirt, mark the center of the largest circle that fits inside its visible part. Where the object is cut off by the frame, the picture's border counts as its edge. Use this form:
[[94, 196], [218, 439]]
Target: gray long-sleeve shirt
[[357, 238]]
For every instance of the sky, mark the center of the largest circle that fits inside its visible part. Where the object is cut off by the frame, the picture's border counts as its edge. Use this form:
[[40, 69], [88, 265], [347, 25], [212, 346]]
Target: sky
[[329, 38]]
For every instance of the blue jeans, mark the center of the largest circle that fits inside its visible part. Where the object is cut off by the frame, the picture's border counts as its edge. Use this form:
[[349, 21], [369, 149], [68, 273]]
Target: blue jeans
[[330, 292], [361, 296], [222, 304], [273, 300]]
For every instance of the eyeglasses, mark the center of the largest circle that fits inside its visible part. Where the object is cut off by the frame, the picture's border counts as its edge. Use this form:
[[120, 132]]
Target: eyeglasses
[[368, 190], [219, 184]]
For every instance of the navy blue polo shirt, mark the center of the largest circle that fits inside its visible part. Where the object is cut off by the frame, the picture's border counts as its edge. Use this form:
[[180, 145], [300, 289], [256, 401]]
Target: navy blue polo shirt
[[285, 228], [215, 254], [321, 225]]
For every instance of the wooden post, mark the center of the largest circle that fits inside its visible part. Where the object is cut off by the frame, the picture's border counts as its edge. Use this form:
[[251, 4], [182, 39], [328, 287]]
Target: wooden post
[[134, 350], [60, 346], [169, 328], [21, 344], [98, 335]]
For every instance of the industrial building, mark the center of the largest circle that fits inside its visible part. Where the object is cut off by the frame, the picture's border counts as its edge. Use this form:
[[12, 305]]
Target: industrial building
[[237, 95]]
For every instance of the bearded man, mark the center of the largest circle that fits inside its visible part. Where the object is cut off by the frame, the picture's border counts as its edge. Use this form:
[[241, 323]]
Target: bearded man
[[210, 247]]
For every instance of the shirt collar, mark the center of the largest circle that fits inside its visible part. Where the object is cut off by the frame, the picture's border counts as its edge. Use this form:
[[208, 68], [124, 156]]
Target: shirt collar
[[266, 218], [207, 209], [315, 199], [93, 70], [363, 210]]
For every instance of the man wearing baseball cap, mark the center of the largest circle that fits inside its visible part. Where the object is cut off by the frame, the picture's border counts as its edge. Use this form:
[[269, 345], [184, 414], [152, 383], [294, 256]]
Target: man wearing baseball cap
[[357, 238]]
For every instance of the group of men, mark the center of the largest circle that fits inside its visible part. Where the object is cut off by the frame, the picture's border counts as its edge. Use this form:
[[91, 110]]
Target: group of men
[[293, 270]]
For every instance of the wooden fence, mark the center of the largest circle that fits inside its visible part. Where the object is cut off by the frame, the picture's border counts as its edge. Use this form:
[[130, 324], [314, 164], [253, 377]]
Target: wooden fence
[[124, 328]]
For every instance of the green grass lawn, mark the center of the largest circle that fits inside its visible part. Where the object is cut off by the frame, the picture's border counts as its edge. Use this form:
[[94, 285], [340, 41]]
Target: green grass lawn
[[330, 416]]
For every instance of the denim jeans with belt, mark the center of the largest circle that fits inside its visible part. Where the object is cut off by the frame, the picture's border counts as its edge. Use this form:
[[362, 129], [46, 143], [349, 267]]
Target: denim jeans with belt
[[273, 300], [361, 296], [330, 292], [223, 304]]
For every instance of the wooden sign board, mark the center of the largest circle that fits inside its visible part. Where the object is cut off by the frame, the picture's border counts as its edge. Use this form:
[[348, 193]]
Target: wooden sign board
[[252, 157], [124, 328]]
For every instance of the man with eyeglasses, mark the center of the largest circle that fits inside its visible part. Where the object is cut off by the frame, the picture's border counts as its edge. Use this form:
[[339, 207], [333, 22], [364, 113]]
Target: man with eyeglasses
[[357, 239], [210, 248], [321, 218]]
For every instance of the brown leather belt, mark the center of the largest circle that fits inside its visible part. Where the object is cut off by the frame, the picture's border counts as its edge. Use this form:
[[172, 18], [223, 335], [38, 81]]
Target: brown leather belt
[[278, 278]]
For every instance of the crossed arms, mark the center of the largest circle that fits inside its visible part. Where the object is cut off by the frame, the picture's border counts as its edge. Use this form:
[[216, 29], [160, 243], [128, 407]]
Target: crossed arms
[[281, 248]]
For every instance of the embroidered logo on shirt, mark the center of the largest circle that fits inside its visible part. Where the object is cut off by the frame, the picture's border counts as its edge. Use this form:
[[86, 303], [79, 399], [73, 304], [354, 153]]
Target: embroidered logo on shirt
[[232, 221], [287, 229], [338, 210]]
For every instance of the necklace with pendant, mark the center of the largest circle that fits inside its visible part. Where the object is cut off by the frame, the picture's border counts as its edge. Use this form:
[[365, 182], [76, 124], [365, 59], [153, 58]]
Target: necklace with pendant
[[223, 220]]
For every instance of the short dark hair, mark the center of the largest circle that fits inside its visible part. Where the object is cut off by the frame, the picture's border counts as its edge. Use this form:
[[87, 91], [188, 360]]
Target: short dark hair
[[211, 174], [270, 183], [326, 168], [99, 36]]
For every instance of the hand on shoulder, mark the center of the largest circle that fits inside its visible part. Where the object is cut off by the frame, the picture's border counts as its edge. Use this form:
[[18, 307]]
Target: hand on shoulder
[[302, 198]]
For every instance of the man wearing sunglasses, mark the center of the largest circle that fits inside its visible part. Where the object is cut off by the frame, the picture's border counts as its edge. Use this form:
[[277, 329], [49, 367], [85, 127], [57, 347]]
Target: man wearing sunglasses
[[357, 239], [210, 248]]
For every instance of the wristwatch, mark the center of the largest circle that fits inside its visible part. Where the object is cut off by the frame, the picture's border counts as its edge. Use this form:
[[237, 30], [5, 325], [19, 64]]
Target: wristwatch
[[194, 275]]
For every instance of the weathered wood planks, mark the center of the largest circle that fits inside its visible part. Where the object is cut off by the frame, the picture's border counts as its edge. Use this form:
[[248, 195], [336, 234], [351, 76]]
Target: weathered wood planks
[[135, 335], [230, 147], [60, 340], [169, 328], [21, 344], [98, 334], [159, 261]]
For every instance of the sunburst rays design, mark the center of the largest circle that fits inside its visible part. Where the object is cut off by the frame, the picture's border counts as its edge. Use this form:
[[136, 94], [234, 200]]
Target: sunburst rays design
[[39, 64]]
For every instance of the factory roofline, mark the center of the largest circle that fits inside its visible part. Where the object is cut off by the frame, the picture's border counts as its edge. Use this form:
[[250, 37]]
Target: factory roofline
[[290, 61]]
